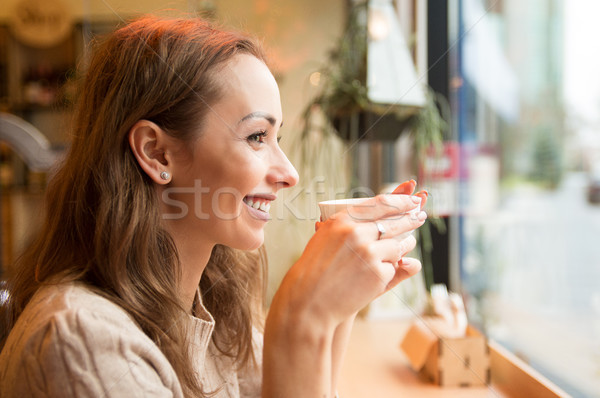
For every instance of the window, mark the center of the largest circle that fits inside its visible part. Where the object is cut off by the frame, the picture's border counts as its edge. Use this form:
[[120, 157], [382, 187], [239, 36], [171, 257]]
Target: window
[[525, 93]]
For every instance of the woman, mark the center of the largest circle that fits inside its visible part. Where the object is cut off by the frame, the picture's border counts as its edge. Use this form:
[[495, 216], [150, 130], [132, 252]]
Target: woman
[[144, 279]]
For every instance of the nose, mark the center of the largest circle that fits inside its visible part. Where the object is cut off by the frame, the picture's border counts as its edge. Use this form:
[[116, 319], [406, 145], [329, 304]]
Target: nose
[[282, 173]]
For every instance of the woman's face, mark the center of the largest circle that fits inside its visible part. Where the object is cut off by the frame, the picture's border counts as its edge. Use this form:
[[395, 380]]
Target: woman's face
[[224, 183]]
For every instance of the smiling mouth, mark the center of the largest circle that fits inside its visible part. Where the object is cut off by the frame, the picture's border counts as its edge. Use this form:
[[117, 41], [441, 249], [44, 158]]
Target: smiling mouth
[[258, 203]]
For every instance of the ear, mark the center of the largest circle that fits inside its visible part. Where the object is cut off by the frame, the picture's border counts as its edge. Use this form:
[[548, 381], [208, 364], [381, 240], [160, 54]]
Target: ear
[[148, 143]]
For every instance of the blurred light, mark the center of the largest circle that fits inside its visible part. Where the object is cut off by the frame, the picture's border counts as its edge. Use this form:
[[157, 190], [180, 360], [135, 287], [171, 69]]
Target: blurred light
[[315, 78], [4, 296], [391, 74], [379, 26]]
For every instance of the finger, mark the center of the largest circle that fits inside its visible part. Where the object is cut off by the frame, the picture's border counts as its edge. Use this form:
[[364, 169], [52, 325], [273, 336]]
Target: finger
[[423, 195], [405, 269], [407, 244], [392, 250], [383, 206], [318, 225], [399, 225], [389, 251], [406, 188]]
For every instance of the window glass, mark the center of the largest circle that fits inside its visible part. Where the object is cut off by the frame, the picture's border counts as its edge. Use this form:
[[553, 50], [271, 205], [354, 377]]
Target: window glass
[[526, 100]]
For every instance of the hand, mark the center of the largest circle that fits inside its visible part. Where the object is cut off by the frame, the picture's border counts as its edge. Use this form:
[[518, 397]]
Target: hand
[[345, 266], [405, 188]]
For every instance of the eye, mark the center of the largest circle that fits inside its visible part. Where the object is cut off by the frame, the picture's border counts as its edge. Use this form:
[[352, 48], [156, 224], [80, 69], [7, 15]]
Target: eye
[[258, 137]]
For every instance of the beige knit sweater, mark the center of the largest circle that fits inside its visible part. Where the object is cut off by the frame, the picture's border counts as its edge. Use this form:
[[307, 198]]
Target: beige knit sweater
[[70, 342]]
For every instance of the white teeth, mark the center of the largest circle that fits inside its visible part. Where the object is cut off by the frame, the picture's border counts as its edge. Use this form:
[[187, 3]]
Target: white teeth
[[263, 206]]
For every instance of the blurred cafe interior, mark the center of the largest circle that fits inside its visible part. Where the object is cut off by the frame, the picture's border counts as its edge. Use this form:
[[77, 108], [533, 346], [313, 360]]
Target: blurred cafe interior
[[492, 106]]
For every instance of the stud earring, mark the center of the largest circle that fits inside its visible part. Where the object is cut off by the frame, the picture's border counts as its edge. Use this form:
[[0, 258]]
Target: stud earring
[[164, 175]]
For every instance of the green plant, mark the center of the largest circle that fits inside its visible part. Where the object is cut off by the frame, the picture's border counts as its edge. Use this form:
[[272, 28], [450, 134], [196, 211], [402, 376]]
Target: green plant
[[343, 97], [546, 156]]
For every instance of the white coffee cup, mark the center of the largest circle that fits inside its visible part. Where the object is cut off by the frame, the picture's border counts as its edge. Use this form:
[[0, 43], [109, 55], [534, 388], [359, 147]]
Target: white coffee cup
[[330, 207]]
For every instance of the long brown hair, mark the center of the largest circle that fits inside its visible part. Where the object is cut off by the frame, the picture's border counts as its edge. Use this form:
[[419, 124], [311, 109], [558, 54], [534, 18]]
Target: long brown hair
[[102, 225]]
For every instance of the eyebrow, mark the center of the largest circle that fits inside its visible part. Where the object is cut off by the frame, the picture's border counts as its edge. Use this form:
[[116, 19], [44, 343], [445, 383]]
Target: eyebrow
[[260, 115]]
